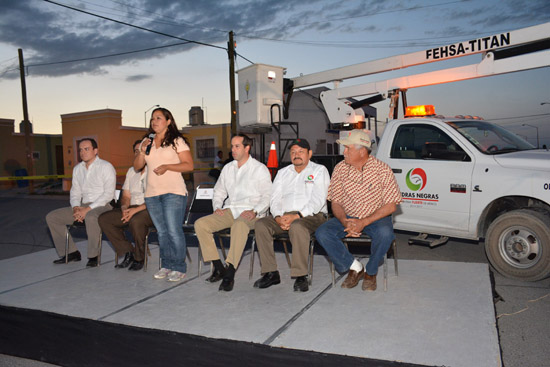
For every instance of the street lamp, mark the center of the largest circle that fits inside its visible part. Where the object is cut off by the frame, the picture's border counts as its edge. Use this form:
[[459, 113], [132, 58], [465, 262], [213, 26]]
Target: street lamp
[[543, 103], [145, 114], [537, 133]]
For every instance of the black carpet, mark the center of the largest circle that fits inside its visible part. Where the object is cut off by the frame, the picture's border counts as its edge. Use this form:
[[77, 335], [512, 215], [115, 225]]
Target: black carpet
[[72, 341]]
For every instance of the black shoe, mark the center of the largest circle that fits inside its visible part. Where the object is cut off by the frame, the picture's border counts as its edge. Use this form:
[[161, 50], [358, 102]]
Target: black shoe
[[136, 265], [268, 279], [128, 259], [301, 284], [92, 262], [73, 256], [216, 276], [227, 284]]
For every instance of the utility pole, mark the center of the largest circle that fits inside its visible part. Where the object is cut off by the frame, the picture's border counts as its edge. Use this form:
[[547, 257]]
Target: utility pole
[[231, 54], [26, 122]]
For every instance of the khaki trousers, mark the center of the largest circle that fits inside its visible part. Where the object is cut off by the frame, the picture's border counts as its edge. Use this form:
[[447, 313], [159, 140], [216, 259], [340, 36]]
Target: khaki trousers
[[206, 226], [299, 233], [113, 227], [59, 219]]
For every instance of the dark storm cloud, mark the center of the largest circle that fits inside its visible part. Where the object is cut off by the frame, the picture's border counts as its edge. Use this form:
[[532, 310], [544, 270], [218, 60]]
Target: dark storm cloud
[[518, 12], [49, 33], [137, 78], [507, 15]]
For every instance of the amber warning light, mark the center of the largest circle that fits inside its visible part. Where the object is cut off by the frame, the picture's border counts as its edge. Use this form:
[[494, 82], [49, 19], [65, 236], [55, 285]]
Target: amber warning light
[[422, 110]]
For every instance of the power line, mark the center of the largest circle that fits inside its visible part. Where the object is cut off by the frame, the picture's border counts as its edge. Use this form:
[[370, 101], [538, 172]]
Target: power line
[[144, 29], [347, 18], [186, 24], [385, 12], [135, 26], [111, 55], [517, 117], [375, 43]]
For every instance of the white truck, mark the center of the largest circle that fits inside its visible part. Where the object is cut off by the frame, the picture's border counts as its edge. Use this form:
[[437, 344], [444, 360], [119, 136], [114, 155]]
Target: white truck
[[468, 178], [460, 177]]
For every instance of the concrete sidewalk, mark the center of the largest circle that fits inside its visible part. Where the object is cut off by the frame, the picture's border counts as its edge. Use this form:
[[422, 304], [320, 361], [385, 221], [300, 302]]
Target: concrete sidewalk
[[521, 316], [434, 313]]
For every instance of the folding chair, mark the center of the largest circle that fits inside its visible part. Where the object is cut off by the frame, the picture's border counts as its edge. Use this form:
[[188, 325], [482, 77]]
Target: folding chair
[[284, 238], [226, 233], [364, 239], [76, 224], [148, 252], [201, 205], [73, 225]]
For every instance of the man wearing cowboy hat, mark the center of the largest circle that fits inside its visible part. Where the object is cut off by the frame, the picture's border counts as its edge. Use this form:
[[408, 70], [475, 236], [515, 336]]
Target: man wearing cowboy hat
[[363, 194]]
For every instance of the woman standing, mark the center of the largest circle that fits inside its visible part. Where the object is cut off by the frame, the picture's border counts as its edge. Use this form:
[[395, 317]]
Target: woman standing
[[167, 155]]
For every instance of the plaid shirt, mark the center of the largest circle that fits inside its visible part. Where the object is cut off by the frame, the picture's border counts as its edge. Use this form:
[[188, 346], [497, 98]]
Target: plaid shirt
[[362, 192]]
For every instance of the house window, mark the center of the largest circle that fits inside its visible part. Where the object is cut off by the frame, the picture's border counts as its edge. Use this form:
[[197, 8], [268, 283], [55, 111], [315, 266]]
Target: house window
[[205, 148]]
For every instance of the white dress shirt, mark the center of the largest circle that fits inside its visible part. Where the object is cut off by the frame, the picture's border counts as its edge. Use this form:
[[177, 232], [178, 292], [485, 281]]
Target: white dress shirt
[[244, 188], [136, 182], [304, 192], [94, 185]]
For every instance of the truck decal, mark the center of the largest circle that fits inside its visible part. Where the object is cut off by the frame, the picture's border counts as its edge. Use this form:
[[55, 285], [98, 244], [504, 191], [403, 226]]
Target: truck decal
[[463, 48], [416, 179], [460, 188]]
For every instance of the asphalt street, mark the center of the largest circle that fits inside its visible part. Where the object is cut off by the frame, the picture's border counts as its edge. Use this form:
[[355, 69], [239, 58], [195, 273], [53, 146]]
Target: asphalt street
[[522, 308]]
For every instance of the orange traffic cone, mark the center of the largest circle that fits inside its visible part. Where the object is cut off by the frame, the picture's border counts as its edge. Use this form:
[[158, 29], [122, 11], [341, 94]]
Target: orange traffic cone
[[272, 162]]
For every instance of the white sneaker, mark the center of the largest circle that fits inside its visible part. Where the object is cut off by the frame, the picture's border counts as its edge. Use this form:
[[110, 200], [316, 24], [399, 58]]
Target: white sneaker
[[175, 276], [162, 273]]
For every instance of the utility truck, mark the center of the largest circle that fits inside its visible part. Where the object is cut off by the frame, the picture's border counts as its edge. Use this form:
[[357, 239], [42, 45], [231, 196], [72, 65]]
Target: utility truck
[[461, 176]]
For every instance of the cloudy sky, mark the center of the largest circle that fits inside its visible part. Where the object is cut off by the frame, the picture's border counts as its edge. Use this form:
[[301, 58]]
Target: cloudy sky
[[83, 55]]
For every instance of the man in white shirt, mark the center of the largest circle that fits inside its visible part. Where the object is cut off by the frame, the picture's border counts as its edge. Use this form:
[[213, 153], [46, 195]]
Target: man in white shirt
[[241, 196], [93, 188], [132, 214], [298, 206]]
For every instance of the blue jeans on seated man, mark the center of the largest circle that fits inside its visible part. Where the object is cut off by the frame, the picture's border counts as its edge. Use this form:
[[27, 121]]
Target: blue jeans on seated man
[[167, 212], [330, 234]]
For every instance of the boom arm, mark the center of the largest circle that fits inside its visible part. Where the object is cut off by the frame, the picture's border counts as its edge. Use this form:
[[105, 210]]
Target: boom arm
[[339, 111]]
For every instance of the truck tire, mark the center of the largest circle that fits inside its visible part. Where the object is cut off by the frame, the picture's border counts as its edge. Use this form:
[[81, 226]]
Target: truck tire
[[518, 244]]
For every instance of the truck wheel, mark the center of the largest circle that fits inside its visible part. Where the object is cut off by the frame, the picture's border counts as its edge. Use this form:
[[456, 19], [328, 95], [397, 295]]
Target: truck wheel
[[518, 245]]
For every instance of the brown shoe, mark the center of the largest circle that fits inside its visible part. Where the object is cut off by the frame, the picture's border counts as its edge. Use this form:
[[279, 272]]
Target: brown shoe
[[353, 278], [369, 282]]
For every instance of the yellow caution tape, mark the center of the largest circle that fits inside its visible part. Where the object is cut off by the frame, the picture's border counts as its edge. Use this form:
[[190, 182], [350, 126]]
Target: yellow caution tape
[[51, 177], [47, 177]]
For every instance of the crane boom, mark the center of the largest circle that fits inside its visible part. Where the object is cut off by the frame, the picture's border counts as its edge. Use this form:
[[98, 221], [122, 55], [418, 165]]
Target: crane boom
[[522, 48], [339, 111], [465, 48]]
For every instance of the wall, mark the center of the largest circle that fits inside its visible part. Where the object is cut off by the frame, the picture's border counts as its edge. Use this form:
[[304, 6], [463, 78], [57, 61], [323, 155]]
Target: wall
[[105, 126], [204, 158], [13, 152]]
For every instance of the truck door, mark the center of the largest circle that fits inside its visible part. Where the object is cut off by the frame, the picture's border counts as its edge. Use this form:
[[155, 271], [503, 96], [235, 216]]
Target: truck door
[[434, 174]]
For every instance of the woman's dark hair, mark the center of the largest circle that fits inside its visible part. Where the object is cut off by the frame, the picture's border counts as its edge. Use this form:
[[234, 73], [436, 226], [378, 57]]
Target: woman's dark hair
[[172, 132]]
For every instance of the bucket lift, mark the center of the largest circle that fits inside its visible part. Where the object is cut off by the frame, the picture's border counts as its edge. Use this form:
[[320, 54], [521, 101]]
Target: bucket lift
[[507, 52], [262, 87]]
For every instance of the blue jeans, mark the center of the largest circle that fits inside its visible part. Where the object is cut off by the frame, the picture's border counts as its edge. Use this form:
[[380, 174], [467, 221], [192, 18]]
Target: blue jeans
[[167, 212], [330, 233]]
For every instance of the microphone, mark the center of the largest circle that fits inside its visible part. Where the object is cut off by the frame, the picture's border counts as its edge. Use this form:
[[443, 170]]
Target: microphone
[[151, 137]]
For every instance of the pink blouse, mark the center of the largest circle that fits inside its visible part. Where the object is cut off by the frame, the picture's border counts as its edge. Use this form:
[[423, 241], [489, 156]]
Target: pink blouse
[[170, 182]]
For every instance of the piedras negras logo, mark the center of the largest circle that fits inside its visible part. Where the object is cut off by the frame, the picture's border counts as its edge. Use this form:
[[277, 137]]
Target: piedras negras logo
[[416, 179]]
